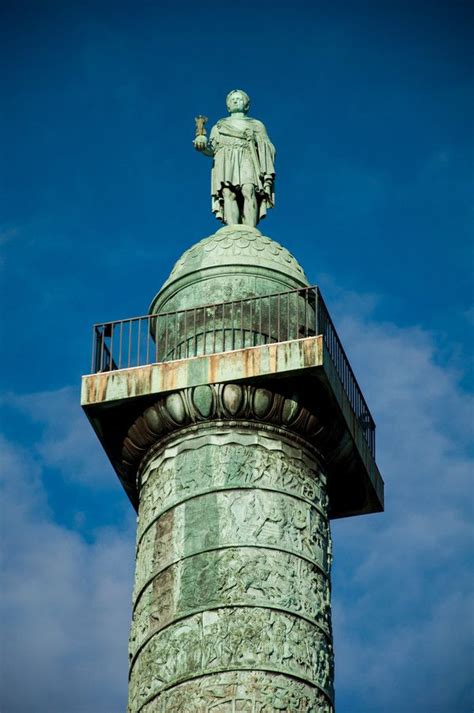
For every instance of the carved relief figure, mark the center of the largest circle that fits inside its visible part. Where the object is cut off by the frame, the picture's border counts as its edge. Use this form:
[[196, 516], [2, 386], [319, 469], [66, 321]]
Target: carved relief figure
[[230, 692], [192, 472]]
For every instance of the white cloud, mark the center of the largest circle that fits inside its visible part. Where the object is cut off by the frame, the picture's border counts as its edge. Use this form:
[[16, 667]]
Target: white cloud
[[402, 601], [67, 441], [401, 593], [66, 604]]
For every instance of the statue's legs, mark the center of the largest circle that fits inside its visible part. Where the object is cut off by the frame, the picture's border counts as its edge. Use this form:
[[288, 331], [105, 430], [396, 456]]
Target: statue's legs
[[231, 207], [249, 216]]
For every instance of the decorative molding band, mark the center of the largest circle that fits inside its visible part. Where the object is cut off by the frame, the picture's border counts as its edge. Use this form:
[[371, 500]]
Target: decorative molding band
[[210, 402]]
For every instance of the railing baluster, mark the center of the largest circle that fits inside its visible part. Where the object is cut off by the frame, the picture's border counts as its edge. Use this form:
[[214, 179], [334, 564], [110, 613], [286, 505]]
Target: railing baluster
[[297, 315], [204, 309], [129, 341], [119, 365], [288, 316], [260, 320], [94, 350], [213, 329], [278, 318], [102, 348], [251, 322], [139, 337], [232, 344], [223, 327], [306, 297], [147, 327], [269, 319], [166, 338], [316, 312], [111, 351], [176, 327], [185, 333]]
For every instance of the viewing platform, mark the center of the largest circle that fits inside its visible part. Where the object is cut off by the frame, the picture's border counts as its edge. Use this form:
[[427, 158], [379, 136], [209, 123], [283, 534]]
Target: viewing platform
[[280, 339]]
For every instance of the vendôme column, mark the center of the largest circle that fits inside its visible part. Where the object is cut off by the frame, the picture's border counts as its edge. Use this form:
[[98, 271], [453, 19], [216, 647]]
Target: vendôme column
[[236, 426], [232, 593]]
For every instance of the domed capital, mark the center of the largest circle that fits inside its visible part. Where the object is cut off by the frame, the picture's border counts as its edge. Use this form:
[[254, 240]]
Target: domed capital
[[236, 262]]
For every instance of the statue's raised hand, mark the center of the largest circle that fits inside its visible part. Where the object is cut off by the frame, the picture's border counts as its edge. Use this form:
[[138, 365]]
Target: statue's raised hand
[[200, 143]]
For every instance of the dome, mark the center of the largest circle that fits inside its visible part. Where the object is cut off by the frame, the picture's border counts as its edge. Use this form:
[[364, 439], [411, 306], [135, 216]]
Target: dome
[[235, 262]]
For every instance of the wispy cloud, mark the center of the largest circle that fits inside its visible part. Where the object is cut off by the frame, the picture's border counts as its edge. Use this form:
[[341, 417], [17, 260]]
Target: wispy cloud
[[66, 441], [65, 605], [403, 602]]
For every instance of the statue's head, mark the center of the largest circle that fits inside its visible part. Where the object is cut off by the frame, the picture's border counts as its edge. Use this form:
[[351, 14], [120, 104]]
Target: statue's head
[[237, 100]]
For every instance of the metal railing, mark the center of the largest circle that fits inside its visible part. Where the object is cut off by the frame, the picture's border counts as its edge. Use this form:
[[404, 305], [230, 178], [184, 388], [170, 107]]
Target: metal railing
[[225, 326]]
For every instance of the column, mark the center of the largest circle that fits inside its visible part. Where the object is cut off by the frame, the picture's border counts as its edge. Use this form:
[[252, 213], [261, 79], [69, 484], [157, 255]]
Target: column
[[231, 606]]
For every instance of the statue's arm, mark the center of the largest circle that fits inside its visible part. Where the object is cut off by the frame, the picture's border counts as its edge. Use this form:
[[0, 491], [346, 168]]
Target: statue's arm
[[263, 135], [204, 145], [203, 148], [266, 152]]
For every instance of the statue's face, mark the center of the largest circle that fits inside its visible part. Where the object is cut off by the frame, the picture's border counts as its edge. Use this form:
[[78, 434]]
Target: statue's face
[[237, 101]]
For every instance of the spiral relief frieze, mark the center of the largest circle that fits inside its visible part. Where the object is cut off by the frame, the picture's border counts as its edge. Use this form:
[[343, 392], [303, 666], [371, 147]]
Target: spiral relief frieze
[[242, 692], [241, 576], [234, 639], [229, 459]]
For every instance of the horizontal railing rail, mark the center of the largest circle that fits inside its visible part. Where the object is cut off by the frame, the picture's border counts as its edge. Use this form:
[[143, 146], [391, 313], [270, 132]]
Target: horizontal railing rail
[[225, 326]]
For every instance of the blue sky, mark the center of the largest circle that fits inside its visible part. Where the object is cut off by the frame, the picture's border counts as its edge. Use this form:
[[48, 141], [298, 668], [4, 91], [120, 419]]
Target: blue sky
[[370, 106]]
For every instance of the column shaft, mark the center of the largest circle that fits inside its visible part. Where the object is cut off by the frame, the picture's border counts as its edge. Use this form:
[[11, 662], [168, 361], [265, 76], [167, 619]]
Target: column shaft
[[232, 591]]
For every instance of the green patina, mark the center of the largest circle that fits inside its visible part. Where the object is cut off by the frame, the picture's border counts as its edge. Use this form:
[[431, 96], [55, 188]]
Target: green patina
[[235, 462], [233, 543]]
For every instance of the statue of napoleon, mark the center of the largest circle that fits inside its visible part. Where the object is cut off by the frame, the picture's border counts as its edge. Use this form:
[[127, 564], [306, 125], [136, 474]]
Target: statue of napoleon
[[243, 173]]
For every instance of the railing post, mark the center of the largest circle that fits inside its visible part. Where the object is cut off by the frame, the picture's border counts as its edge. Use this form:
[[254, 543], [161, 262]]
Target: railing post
[[120, 346], [213, 328], [147, 322], [278, 319], [204, 310], [102, 340], [139, 340], [130, 328], [194, 332], [94, 350], [316, 311], [223, 326]]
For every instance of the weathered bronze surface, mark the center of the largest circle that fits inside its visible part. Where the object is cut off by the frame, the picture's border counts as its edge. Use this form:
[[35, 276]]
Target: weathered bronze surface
[[233, 564], [235, 462], [243, 172]]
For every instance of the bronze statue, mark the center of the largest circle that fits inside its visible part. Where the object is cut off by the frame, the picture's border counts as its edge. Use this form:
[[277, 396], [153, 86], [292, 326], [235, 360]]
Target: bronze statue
[[243, 173]]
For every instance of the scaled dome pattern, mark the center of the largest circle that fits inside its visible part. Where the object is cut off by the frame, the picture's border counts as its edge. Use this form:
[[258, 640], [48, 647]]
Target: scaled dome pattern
[[234, 263], [237, 245]]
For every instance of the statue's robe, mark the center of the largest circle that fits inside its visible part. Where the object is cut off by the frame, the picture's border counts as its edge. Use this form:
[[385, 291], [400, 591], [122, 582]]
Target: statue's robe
[[240, 160]]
